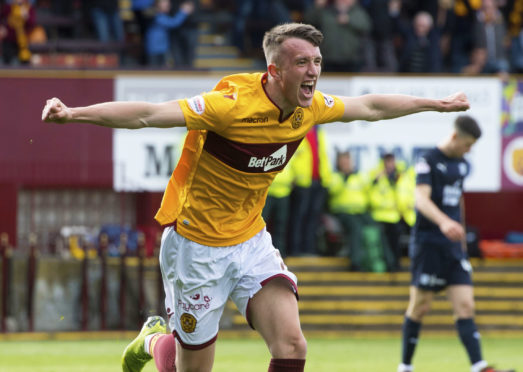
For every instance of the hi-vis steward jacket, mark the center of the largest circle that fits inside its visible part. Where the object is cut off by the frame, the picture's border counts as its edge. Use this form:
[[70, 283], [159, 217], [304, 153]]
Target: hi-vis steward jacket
[[281, 187], [349, 194], [303, 162], [383, 195]]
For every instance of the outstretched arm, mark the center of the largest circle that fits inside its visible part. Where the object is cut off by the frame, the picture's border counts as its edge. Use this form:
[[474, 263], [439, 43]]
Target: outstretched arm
[[450, 228], [373, 107], [129, 115]]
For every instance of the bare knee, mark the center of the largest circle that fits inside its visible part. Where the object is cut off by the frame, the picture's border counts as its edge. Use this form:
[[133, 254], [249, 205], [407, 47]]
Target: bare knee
[[464, 309], [291, 346], [417, 310]]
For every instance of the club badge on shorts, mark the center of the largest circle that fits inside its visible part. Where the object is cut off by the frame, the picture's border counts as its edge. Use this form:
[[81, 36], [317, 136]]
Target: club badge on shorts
[[188, 323], [297, 119]]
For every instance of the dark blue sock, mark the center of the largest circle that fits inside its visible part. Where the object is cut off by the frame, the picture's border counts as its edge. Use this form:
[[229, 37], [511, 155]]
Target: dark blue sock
[[410, 339], [469, 335]]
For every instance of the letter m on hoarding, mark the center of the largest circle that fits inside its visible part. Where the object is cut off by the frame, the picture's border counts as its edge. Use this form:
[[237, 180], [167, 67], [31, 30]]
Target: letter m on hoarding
[[158, 165]]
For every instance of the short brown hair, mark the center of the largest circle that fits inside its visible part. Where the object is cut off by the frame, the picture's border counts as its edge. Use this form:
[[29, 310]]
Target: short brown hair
[[465, 124], [278, 34]]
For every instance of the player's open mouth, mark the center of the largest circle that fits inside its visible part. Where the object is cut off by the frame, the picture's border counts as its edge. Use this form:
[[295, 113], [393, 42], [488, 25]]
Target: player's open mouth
[[307, 88]]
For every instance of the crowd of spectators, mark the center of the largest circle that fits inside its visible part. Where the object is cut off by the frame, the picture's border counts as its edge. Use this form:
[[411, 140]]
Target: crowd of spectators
[[314, 208], [152, 33], [418, 36], [430, 36], [375, 210]]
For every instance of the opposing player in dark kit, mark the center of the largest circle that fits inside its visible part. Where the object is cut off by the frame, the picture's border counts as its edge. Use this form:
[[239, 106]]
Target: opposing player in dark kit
[[438, 248]]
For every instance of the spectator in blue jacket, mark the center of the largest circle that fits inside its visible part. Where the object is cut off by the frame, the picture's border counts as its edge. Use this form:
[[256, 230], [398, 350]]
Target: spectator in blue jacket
[[157, 37]]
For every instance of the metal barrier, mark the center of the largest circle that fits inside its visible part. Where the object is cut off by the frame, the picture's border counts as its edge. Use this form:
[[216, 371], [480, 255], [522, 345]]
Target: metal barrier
[[5, 258], [98, 281], [104, 242], [31, 276]]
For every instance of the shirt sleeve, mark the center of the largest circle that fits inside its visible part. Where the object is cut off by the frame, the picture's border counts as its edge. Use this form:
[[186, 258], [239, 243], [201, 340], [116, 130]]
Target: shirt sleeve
[[423, 171], [468, 167], [209, 111], [326, 108]]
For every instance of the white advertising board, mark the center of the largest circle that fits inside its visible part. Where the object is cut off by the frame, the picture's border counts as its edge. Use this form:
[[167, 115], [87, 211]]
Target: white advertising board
[[409, 135], [143, 159]]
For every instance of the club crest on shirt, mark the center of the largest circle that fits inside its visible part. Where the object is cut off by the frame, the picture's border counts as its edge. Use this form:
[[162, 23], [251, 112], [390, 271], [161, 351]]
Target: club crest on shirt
[[297, 118], [188, 323]]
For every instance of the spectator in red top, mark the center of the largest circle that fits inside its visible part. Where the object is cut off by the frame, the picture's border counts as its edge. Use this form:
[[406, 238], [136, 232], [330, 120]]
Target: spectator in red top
[[313, 172]]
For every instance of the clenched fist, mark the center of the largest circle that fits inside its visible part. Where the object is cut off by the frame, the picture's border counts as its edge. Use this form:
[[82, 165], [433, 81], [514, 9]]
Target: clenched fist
[[455, 102], [56, 111]]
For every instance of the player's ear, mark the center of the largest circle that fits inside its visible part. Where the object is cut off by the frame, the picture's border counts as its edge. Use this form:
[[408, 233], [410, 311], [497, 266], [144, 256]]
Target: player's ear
[[274, 71]]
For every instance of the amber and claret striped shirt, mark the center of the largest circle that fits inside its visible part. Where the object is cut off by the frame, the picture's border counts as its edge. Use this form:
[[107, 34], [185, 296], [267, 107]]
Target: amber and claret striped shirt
[[237, 142]]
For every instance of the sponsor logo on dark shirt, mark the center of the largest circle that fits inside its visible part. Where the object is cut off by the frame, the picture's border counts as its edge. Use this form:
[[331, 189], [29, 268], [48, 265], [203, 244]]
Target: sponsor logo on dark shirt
[[275, 160], [250, 157]]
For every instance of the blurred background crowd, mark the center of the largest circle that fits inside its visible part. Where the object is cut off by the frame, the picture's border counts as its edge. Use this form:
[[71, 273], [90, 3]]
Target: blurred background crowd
[[417, 36], [314, 208], [318, 206]]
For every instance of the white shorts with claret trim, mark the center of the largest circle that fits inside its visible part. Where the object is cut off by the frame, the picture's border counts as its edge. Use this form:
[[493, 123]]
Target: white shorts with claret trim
[[199, 279]]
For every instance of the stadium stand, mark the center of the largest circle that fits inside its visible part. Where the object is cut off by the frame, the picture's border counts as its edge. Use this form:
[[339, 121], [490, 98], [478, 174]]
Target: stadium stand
[[333, 300]]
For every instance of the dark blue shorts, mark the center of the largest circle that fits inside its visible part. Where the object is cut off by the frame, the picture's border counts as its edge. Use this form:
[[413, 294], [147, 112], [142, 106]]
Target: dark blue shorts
[[434, 266]]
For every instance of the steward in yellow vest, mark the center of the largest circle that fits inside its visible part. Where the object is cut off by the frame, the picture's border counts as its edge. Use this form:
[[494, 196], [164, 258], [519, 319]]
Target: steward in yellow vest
[[384, 205], [405, 196], [349, 203]]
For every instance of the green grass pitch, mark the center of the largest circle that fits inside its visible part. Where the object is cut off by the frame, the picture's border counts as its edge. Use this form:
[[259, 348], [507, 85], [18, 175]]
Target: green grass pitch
[[434, 354]]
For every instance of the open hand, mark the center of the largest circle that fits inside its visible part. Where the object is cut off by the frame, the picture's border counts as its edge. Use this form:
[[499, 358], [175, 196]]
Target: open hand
[[187, 7], [452, 230], [56, 111]]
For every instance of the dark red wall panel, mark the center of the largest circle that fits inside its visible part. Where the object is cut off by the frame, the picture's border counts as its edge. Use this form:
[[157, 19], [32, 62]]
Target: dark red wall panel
[[42, 154], [495, 213]]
